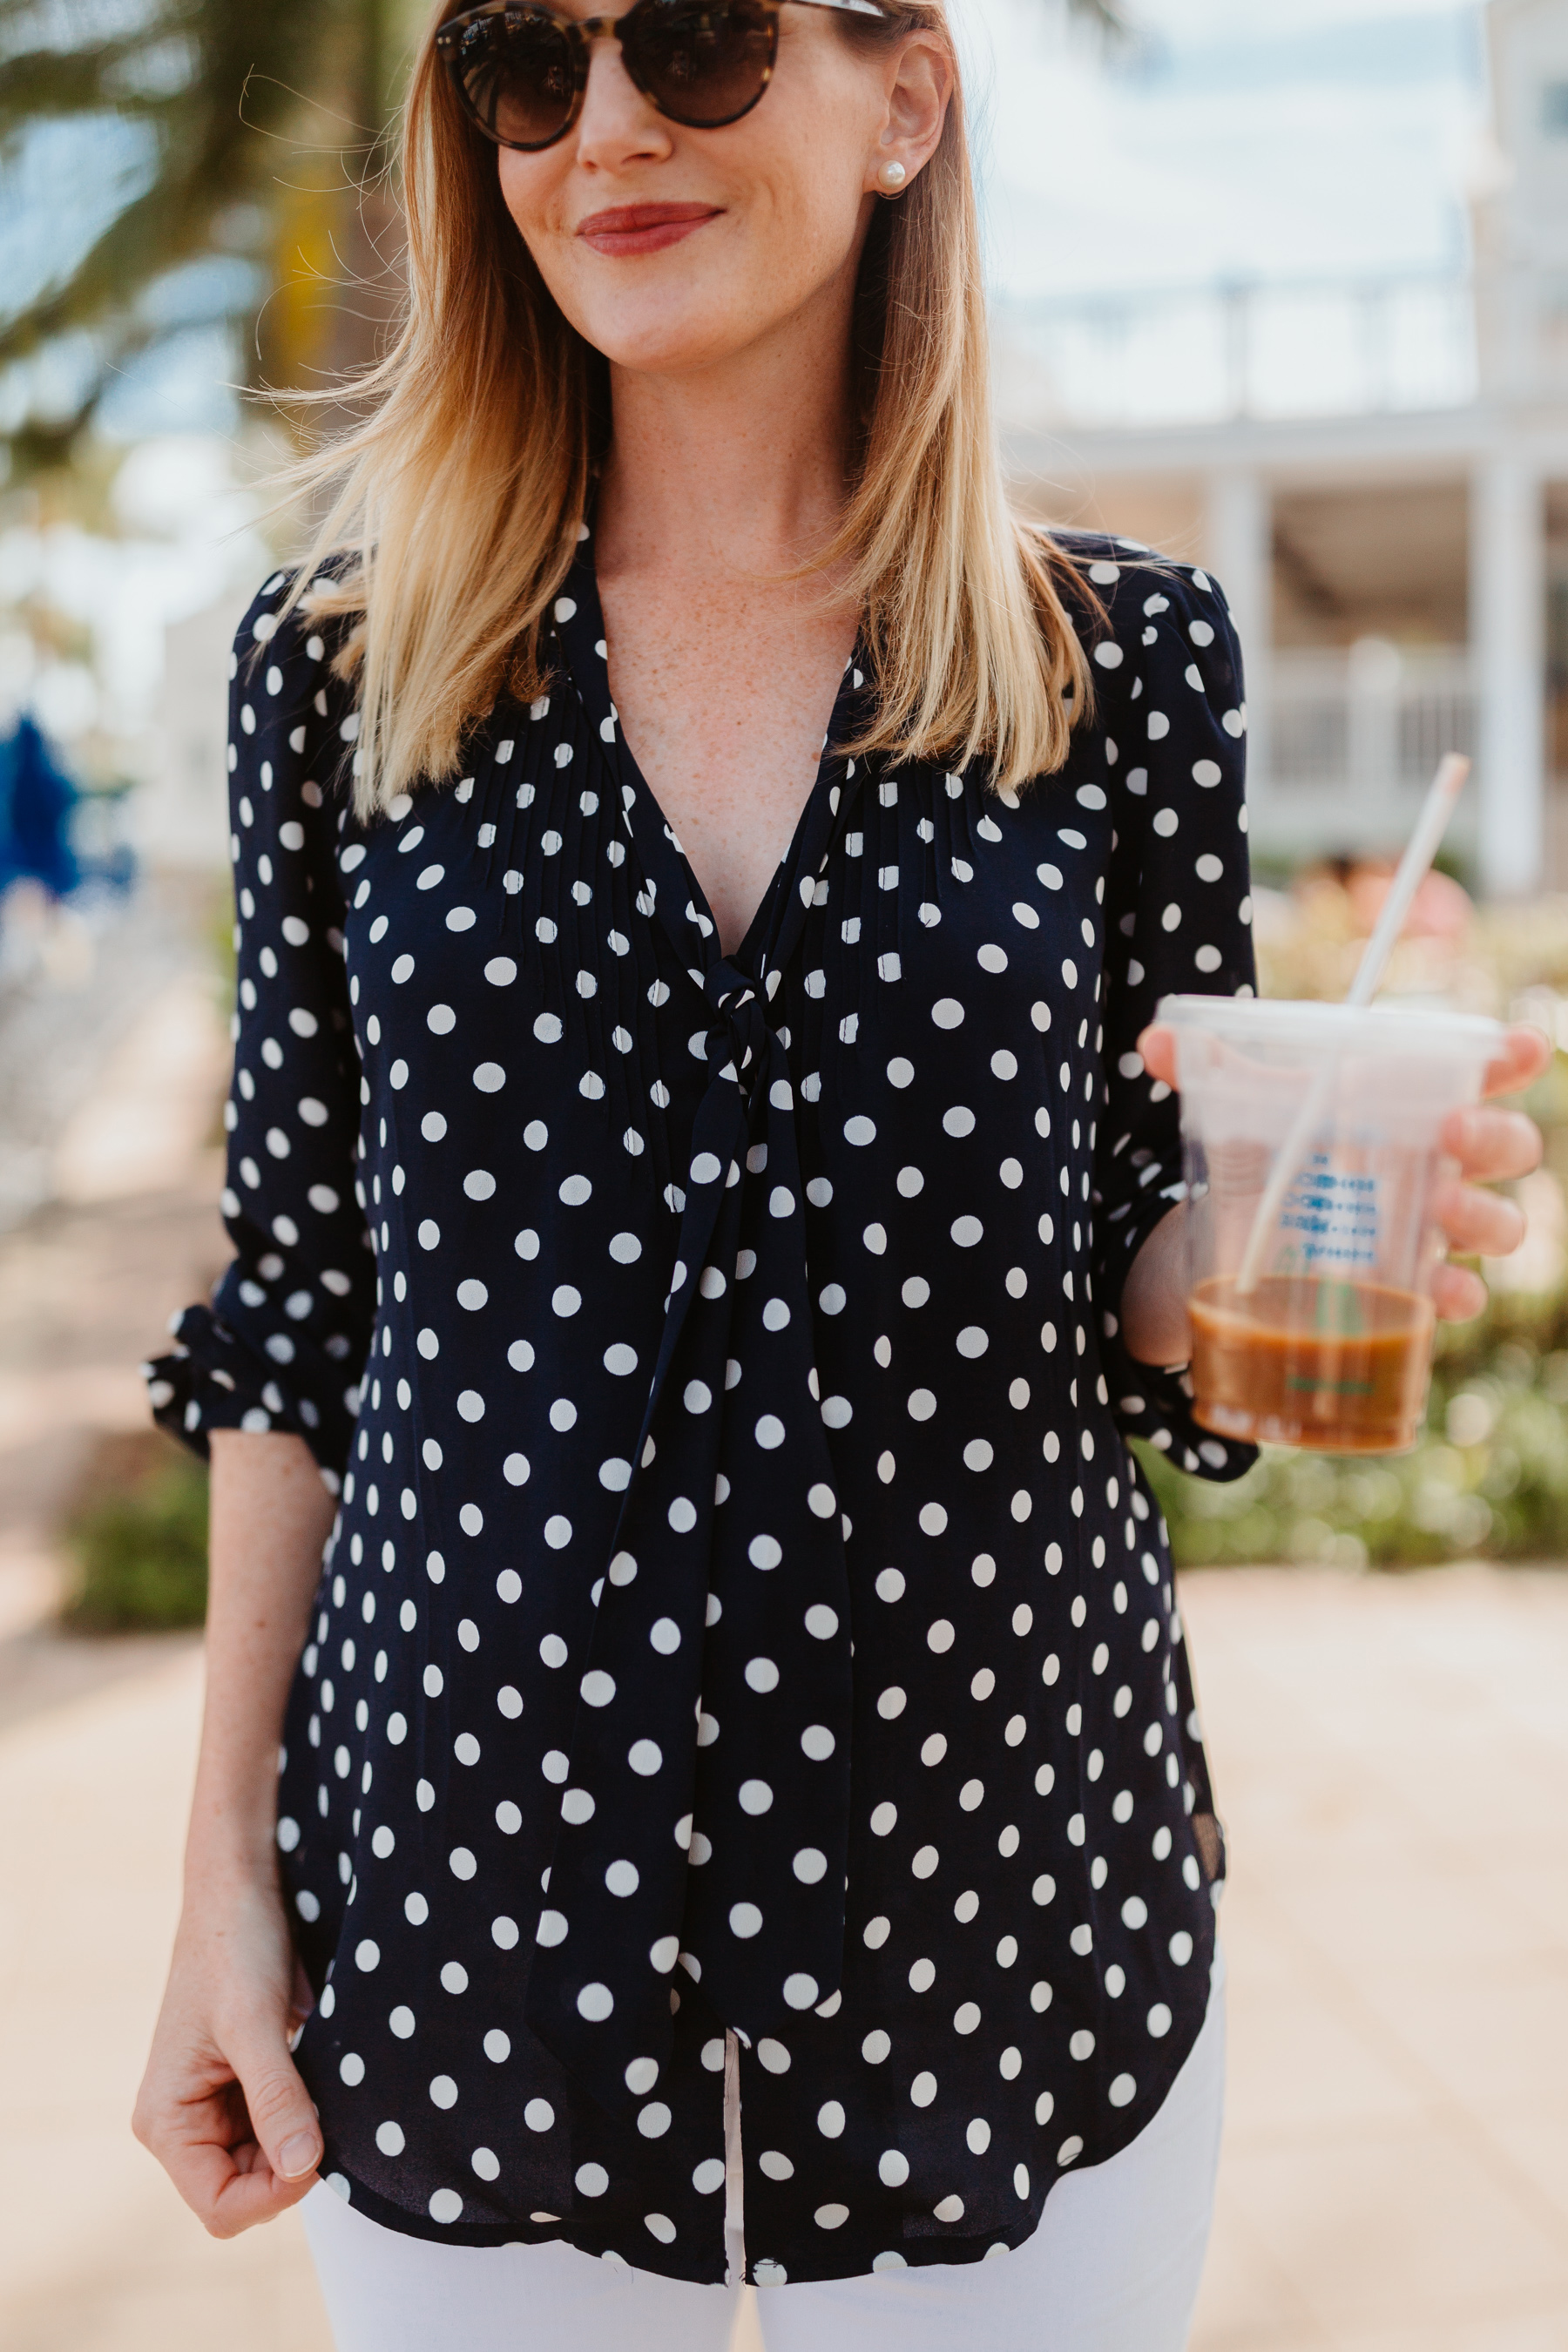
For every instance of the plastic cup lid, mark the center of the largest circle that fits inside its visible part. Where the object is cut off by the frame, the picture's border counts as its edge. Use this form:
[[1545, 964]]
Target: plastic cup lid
[[1397, 1029]]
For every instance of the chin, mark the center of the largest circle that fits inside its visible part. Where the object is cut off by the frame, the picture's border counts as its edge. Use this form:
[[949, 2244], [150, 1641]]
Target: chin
[[658, 342]]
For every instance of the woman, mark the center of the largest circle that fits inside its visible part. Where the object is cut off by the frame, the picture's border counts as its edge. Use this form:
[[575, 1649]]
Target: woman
[[703, 1206]]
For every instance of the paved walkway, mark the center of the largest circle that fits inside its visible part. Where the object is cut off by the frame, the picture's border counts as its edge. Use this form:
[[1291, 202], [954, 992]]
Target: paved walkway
[[1391, 1756]]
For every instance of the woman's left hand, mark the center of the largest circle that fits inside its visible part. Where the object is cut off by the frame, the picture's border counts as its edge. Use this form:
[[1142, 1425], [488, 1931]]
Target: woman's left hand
[[1489, 1144]]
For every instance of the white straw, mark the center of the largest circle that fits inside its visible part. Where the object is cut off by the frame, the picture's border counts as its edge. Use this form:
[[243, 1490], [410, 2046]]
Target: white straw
[[1414, 867]]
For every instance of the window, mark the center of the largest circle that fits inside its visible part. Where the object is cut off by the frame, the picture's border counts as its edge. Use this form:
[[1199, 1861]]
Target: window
[[1554, 109]]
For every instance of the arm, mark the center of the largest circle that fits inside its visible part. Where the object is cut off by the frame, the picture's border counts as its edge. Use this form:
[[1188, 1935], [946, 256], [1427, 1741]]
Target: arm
[[1177, 919], [282, 1344], [266, 1381], [1154, 1326], [221, 2105]]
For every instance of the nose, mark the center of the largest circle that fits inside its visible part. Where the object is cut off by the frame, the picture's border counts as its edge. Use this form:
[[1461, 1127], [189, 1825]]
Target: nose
[[618, 125]]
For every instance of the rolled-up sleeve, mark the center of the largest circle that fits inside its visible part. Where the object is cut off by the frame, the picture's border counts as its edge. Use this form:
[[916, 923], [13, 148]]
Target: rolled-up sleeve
[[282, 1344], [1180, 922]]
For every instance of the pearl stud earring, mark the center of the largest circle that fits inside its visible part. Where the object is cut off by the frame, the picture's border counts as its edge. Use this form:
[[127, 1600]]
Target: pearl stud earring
[[891, 176]]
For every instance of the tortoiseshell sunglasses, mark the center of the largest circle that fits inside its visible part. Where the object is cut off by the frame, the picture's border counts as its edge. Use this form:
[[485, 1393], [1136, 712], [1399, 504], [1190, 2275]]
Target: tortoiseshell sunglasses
[[520, 71]]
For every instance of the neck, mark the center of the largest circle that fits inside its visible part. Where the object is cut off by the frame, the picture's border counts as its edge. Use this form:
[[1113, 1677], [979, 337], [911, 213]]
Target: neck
[[738, 467]]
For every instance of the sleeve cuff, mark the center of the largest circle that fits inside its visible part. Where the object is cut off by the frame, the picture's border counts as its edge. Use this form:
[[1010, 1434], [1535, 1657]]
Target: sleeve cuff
[[210, 1379]]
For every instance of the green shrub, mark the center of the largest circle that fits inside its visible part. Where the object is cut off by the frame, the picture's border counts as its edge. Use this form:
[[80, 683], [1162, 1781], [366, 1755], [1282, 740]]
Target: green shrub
[[139, 1542]]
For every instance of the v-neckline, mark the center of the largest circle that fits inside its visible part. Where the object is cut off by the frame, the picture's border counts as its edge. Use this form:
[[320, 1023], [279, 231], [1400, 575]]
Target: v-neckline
[[579, 626]]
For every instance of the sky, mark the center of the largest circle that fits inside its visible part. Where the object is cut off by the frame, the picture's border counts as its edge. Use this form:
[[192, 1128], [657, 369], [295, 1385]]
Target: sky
[[1230, 139]]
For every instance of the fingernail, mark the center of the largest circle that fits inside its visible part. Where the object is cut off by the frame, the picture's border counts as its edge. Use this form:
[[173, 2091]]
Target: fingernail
[[299, 2154]]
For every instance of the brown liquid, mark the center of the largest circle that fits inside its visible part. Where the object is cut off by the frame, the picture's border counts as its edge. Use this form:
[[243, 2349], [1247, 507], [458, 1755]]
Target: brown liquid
[[1337, 1366]]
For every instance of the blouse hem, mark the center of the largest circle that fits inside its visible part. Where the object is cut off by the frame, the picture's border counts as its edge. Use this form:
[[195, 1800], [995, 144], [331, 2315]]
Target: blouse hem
[[919, 2242]]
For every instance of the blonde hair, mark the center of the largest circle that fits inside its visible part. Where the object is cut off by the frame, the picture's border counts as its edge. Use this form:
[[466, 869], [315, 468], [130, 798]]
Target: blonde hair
[[459, 497]]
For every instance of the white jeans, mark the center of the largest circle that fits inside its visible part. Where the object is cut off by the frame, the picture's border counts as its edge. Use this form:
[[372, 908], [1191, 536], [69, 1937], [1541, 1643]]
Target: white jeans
[[1113, 2267]]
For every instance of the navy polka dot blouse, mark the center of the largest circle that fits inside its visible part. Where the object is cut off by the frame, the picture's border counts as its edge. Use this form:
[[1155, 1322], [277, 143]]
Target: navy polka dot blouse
[[743, 1611]]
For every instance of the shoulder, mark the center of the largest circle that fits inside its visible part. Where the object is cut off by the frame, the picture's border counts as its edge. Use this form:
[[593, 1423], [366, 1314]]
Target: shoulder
[[293, 726], [1136, 597], [282, 631], [1157, 631], [287, 698]]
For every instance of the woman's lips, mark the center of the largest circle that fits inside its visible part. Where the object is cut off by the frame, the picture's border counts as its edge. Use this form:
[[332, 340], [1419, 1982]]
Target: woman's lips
[[643, 228]]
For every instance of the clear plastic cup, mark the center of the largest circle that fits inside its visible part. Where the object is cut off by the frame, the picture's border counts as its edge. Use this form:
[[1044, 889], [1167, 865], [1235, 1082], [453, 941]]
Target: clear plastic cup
[[1310, 1143]]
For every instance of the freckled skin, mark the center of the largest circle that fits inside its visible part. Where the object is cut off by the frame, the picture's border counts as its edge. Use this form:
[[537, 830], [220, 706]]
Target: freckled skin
[[731, 758]]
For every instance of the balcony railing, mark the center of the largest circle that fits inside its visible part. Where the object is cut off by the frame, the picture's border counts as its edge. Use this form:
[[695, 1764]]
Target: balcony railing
[[1375, 719], [1343, 744], [1333, 347]]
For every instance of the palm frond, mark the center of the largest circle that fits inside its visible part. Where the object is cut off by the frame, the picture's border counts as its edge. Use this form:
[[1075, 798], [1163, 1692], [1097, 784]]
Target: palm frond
[[220, 84]]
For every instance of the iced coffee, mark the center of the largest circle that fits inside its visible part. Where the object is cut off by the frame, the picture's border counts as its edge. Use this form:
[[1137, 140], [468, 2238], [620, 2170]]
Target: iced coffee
[[1310, 1136]]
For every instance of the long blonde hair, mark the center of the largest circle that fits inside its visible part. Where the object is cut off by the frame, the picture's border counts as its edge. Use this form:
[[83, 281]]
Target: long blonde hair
[[459, 497]]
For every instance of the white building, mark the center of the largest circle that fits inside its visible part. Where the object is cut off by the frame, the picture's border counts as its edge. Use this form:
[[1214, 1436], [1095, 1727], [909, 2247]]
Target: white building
[[1394, 543]]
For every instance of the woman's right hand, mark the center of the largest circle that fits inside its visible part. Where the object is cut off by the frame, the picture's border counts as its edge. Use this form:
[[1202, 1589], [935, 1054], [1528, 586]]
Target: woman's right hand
[[222, 2106]]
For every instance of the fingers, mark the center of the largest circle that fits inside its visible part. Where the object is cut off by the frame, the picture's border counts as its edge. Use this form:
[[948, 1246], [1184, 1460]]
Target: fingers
[[1492, 1144], [1478, 1223], [1458, 1295], [206, 2148], [1481, 1224], [282, 2116], [1157, 1047], [237, 2137], [1524, 1055]]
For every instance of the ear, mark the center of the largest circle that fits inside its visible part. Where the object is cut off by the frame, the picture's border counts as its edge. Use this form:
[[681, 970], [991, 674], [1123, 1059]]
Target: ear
[[918, 97]]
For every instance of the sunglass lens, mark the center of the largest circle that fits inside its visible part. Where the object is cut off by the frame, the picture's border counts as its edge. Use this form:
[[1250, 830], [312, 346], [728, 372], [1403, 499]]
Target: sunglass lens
[[517, 77], [700, 66]]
